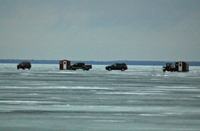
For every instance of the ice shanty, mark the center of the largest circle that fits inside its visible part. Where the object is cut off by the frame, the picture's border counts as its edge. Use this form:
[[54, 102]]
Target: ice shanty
[[182, 66], [64, 64]]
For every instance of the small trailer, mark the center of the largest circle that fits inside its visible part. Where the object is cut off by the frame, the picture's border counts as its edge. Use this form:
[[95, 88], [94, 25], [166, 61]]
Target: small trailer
[[64, 64], [180, 66]]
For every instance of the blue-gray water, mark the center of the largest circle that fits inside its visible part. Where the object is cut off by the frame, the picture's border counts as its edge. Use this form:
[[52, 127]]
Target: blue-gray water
[[141, 98]]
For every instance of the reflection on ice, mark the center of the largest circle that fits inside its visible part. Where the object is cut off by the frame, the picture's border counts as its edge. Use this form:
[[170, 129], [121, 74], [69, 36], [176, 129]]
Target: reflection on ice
[[130, 93]]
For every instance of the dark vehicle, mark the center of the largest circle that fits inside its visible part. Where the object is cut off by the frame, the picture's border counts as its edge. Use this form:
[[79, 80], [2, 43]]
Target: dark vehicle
[[80, 66], [24, 65], [117, 66], [169, 67]]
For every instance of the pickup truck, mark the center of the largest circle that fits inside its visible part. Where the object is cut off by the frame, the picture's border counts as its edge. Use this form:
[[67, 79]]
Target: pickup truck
[[80, 66]]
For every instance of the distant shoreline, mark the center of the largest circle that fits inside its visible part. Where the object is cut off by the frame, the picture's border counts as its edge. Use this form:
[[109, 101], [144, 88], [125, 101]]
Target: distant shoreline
[[128, 62]]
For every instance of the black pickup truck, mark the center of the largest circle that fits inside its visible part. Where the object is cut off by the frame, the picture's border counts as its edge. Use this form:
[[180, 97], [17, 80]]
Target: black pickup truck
[[80, 66]]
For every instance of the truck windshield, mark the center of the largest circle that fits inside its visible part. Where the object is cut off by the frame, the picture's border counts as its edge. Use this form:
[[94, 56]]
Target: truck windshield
[[170, 64]]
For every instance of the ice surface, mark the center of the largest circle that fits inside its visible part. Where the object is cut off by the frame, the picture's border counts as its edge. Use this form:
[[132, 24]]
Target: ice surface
[[140, 98]]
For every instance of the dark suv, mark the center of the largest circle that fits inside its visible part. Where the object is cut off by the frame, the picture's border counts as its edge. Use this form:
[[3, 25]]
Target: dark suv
[[24, 65], [117, 66]]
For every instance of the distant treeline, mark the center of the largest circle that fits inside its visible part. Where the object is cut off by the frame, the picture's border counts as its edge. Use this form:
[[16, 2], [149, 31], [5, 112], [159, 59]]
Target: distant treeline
[[191, 63]]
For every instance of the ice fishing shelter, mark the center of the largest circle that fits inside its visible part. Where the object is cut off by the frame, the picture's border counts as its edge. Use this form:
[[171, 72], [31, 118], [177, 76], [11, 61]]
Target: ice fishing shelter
[[182, 66], [64, 64]]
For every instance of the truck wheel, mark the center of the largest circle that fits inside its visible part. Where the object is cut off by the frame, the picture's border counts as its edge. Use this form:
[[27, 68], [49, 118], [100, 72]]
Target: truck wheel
[[70, 68], [109, 69], [122, 69], [84, 69]]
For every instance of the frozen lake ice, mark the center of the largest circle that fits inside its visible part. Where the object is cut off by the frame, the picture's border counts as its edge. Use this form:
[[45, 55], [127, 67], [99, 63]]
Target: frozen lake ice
[[140, 98]]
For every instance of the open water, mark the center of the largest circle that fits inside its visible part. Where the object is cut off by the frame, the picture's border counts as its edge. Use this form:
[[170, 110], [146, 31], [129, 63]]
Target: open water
[[141, 98]]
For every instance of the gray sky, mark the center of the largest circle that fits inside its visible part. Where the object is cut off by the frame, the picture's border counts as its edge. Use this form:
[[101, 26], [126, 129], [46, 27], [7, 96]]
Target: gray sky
[[100, 30]]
